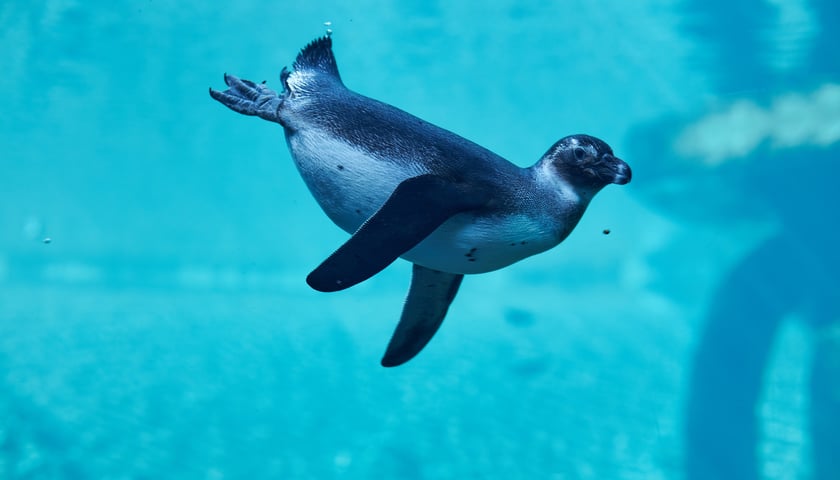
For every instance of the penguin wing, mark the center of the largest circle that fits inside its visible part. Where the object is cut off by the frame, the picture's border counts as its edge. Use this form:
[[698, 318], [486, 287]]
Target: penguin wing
[[413, 211], [429, 297]]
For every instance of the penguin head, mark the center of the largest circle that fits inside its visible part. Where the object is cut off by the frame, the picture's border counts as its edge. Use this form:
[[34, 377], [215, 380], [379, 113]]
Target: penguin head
[[586, 163]]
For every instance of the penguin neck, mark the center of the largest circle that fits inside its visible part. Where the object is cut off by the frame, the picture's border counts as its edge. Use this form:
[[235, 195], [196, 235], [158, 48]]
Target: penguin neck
[[562, 184]]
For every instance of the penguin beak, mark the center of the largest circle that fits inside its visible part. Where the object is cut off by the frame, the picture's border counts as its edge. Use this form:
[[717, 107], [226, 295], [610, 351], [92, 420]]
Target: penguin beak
[[621, 173]]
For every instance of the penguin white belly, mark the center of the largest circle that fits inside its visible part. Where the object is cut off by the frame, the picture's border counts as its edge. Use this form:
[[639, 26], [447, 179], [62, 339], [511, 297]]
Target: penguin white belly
[[348, 183], [469, 244]]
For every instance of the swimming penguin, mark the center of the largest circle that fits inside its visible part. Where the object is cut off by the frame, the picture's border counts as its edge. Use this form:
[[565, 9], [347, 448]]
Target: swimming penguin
[[405, 188]]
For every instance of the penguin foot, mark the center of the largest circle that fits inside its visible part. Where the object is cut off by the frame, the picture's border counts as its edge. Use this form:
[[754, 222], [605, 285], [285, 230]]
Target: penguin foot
[[249, 98]]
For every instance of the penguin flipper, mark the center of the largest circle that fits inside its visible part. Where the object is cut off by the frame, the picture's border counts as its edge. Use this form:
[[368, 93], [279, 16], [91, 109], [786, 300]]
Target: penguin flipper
[[413, 211], [429, 297]]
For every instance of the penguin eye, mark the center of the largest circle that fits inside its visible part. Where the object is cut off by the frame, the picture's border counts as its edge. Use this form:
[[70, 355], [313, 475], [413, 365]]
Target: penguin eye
[[580, 153]]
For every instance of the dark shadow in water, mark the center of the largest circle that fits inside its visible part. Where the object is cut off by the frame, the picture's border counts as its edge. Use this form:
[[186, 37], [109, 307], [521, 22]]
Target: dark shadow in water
[[519, 317], [721, 425], [795, 271]]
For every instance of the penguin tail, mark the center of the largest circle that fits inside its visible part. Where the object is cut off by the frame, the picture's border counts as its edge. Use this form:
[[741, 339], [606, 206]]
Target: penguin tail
[[317, 56]]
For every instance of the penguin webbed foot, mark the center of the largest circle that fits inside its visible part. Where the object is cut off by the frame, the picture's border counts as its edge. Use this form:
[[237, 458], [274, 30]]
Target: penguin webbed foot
[[249, 98]]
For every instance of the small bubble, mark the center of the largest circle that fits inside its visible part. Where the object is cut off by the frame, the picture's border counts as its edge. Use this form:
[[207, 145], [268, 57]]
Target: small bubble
[[606, 231], [47, 240]]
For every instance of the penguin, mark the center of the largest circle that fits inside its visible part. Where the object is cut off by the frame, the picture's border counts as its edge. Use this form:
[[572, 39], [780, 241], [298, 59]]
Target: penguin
[[405, 188]]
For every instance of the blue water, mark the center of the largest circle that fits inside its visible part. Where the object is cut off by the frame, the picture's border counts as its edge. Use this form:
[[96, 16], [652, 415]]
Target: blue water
[[155, 322]]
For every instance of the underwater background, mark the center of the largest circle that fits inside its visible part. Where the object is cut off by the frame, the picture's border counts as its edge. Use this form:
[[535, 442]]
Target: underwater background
[[155, 322]]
